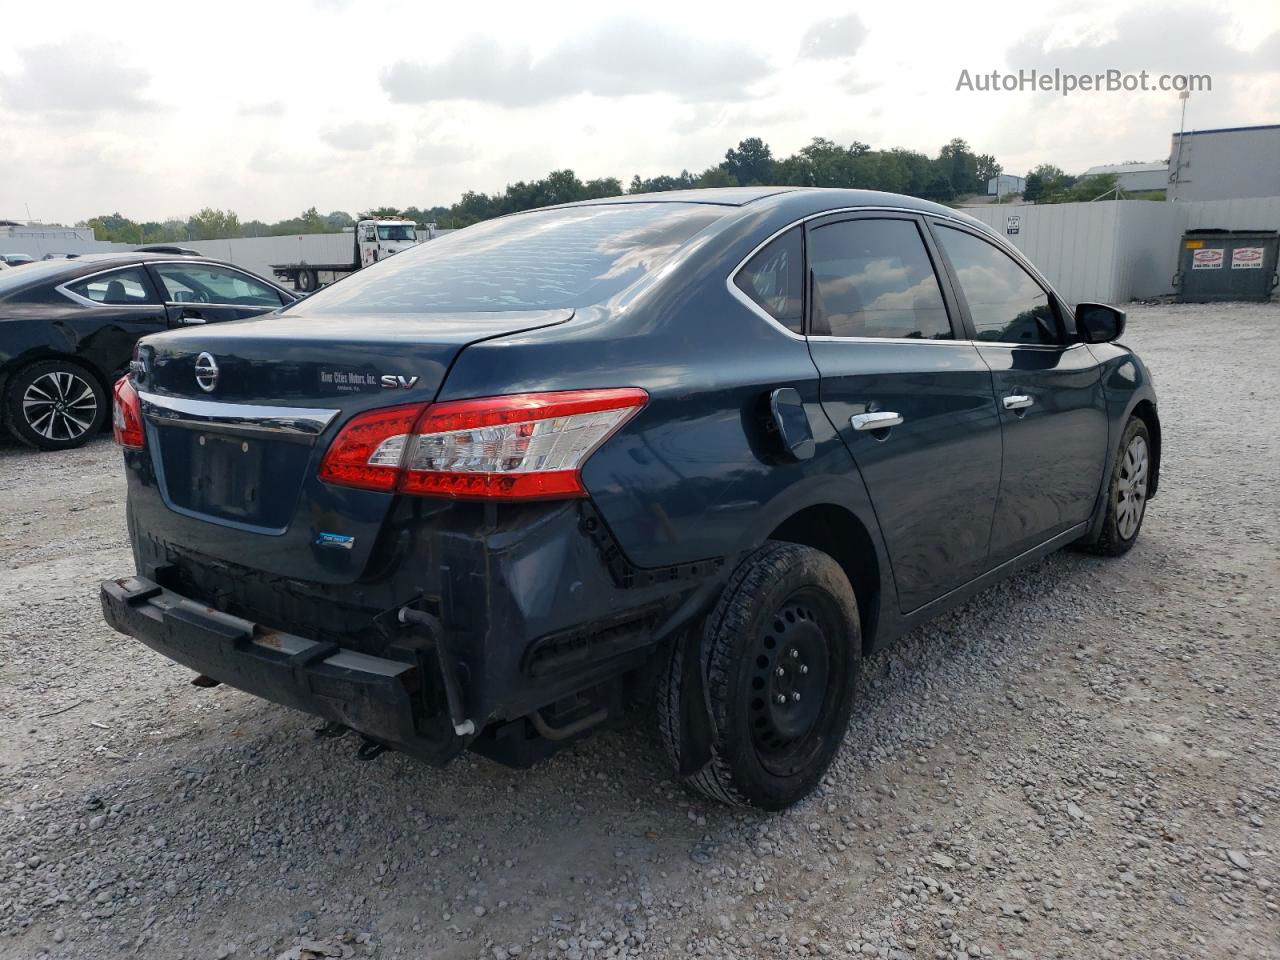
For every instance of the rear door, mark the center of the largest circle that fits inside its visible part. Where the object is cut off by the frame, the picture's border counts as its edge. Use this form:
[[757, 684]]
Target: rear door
[[196, 293], [1048, 393], [912, 401]]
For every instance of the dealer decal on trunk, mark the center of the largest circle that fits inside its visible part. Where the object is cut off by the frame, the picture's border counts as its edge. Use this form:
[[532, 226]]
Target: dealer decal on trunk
[[352, 381]]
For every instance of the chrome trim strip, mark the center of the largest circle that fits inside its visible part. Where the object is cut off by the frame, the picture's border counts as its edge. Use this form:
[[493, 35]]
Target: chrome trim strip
[[755, 308], [305, 422]]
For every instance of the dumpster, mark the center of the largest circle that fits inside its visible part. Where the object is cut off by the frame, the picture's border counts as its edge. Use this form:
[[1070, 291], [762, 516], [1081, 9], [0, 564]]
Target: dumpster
[[1217, 265]]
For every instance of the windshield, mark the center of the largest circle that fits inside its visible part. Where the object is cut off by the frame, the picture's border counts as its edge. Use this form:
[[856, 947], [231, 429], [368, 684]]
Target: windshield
[[401, 231], [545, 260]]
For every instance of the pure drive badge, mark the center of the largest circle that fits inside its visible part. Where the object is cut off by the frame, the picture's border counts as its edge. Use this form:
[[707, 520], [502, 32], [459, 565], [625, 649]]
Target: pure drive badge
[[338, 540]]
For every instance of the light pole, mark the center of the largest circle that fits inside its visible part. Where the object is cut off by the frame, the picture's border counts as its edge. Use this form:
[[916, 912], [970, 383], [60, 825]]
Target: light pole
[[1184, 96]]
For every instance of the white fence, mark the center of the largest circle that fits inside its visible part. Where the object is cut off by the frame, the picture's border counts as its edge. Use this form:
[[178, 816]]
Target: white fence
[[1118, 250]]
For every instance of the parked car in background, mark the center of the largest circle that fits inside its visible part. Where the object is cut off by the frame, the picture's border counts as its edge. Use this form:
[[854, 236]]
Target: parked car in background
[[708, 448], [68, 328], [15, 259], [60, 256]]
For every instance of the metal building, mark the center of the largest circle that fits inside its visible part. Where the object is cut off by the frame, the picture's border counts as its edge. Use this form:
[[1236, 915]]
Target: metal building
[[1004, 184], [1225, 164], [1134, 177]]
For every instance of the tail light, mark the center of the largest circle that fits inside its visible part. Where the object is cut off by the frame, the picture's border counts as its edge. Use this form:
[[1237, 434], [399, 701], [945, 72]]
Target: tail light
[[525, 447], [126, 416]]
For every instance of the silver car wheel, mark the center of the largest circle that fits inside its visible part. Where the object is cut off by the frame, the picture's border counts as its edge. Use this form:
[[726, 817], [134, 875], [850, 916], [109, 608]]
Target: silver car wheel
[[1131, 488], [60, 405]]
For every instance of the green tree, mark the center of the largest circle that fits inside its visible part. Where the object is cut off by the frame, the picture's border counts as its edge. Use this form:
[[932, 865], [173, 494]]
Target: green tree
[[751, 162], [378, 213], [959, 165], [1034, 188], [211, 224]]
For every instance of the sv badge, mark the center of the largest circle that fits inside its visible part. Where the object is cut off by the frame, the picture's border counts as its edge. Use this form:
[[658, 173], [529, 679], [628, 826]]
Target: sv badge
[[393, 381]]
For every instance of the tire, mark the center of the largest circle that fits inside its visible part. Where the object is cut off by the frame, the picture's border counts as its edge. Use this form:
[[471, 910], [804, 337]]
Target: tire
[[55, 405], [787, 608], [306, 281], [1126, 492]]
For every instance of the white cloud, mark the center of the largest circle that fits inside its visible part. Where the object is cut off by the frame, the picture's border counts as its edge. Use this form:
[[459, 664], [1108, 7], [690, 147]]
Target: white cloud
[[834, 38], [358, 135], [73, 79], [617, 58]]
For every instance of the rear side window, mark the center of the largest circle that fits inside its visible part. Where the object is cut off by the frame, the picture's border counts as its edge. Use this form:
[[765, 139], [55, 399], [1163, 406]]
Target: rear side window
[[120, 288], [873, 278], [774, 279], [1005, 303], [543, 260]]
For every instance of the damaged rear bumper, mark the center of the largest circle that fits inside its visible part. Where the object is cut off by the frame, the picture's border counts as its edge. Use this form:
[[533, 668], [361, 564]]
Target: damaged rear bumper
[[376, 696]]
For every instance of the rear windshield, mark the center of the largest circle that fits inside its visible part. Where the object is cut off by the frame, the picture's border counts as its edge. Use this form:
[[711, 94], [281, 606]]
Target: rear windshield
[[546, 260], [27, 274]]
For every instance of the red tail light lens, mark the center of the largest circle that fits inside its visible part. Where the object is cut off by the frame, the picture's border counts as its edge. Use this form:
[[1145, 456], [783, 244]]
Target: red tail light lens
[[524, 447], [126, 416], [367, 452]]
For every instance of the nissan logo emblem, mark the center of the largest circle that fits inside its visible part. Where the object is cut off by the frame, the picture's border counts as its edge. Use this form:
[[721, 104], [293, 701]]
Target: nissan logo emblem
[[206, 372]]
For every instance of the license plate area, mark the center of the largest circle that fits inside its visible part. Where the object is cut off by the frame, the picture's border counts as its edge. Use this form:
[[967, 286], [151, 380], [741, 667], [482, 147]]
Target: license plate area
[[248, 480]]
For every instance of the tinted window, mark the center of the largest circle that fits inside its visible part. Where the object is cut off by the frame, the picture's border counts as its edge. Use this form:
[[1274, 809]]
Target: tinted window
[[403, 231], [551, 259], [873, 278], [1006, 304], [204, 284], [774, 279], [121, 287]]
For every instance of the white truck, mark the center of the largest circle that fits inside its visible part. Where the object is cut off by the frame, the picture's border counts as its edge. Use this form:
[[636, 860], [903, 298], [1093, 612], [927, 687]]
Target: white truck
[[372, 240]]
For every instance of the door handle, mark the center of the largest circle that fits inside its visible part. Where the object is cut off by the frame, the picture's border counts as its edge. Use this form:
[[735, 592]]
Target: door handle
[[1018, 401], [190, 317], [882, 420]]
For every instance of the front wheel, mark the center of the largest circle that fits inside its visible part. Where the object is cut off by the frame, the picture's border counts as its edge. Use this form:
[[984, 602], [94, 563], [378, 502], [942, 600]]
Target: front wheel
[[55, 405], [782, 650], [1127, 493]]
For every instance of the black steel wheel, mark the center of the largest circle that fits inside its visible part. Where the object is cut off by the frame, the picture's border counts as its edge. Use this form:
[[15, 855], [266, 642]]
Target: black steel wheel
[[55, 405], [781, 650]]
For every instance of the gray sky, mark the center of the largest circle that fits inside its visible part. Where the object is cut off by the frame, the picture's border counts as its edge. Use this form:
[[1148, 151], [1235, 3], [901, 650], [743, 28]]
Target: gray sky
[[155, 109]]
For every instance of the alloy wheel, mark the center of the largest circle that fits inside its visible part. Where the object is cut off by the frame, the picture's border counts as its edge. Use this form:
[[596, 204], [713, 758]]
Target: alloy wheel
[[59, 405], [1131, 489]]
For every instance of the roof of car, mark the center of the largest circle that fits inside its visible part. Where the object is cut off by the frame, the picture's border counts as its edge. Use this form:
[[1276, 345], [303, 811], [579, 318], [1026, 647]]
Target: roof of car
[[807, 200]]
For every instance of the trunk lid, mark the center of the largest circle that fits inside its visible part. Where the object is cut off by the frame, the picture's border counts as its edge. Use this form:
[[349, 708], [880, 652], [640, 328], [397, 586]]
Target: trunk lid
[[239, 416]]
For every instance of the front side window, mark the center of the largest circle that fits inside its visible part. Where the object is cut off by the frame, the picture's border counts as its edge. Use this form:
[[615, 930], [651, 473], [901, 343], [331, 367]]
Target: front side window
[[199, 283], [396, 232], [1005, 303], [774, 279], [119, 288], [873, 278]]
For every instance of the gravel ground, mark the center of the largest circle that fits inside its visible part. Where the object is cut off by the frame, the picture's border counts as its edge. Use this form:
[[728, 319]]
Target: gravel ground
[[1081, 762]]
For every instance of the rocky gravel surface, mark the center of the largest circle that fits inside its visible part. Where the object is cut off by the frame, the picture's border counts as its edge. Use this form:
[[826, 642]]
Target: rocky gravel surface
[[1081, 762]]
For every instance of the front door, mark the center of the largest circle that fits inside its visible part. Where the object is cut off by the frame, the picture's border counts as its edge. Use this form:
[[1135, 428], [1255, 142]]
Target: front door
[[912, 400], [197, 293], [1048, 393]]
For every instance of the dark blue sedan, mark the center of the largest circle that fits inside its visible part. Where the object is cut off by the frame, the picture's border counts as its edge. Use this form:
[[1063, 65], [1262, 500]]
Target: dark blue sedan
[[709, 449]]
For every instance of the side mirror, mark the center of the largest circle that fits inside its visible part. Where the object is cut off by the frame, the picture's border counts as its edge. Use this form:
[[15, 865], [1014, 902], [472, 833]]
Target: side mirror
[[1099, 323]]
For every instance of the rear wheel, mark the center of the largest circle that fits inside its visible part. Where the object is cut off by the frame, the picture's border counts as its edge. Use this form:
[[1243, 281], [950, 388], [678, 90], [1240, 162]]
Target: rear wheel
[[1127, 495], [306, 281], [782, 650], [55, 405]]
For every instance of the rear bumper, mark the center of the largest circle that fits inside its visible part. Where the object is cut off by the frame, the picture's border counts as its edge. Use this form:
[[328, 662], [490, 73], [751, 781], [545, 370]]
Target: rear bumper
[[373, 695]]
